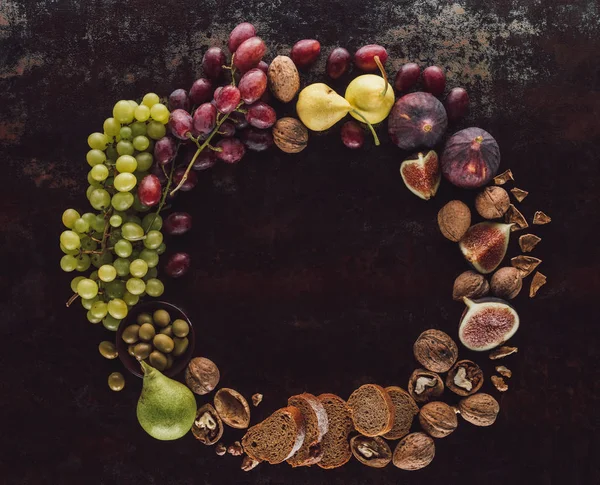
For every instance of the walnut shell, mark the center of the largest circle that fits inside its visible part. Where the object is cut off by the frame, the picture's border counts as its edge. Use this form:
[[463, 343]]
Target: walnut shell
[[284, 80], [290, 135], [425, 385], [371, 451], [470, 284], [506, 283], [232, 408], [479, 409], [465, 378], [454, 219], [435, 350], [208, 427], [438, 419], [414, 451], [492, 202], [202, 375]]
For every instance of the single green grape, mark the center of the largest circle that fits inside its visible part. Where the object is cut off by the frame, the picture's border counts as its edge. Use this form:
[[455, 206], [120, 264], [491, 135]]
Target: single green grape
[[153, 239], [68, 263], [87, 288], [100, 259], [138, 128], [138, 268], [161, 249], [135, 219], [150, 99], [124, 182], [111, 153], [70, 240], [99, 309], [133, 103], [99, 199], [94, 275], [123, 248], [115, 220], [75, 281], [130, 299], [88, 302], [122, 266], [88, 244], [160, 113], [125, 147], [155, 287], [135, 286], [69, 217], [89, 217], [141, 143], [81, 226], [98, 141], [152, 222], [111, 127], [123, 112], [83, 262], [144, 161], [111, 323], [95, 157], [90, 189], [156, 130], [142, 113], [122, 201], [107, 272], [92, 319], [114, 238], [126, 163], [150, 256], [117, 308], [152, 273], [125, 133], [138, 206], [115, 289], [132, 231], [71, 252], [99, 172], [135, 254], [98, 224]]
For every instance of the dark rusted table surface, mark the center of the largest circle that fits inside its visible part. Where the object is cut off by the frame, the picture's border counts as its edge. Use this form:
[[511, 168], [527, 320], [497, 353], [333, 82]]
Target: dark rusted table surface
[[313, 272]]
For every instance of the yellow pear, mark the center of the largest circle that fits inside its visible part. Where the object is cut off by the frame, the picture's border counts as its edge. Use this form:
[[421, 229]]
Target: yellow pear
[[371, 97], [319, 107]]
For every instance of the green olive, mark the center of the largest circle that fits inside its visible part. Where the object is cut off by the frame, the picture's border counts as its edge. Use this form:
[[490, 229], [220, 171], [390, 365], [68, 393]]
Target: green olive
[[158, 360], [108, 350], [116, 381], [164, 343], [168, 330], [144, 318], [147, 332], [142, 350], [169, 361], [130, 350], [130, 334], [181, 345], [180, 328], [161, 318]]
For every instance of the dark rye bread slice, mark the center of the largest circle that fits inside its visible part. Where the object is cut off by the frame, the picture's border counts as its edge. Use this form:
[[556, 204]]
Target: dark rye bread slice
[[335, 444], [316, 423], [405, 410], [277, 438], [372, 410]]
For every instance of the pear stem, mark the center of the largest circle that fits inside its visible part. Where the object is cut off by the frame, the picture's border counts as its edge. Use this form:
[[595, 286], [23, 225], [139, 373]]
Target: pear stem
[[375, 137], [383, 74]]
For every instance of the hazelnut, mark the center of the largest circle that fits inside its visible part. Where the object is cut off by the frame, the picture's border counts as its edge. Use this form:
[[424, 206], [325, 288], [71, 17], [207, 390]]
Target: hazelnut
[[414, 451], [470, 284], [220, 449], [373, 452], [465, 378], [435, 350], [284, 79], [492, 202], [290, 135], [438, 419], [202, 375], [425, 385], [235, 449], [233, 408], [506, 283], [454, 219], [249, 463], [479, 409], [208, 427]]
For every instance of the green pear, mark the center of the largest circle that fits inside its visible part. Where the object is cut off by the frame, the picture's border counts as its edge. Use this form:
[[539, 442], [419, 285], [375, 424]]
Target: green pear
[[370, 97], [166, 408], [319, 107]]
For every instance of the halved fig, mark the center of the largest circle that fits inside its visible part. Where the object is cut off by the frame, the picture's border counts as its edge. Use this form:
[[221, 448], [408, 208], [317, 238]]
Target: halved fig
[[421, 174], [487, 323], [484, 245]]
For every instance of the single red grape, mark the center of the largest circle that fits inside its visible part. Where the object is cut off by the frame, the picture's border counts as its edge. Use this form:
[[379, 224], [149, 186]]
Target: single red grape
[[206, 159], [157, 171], [232, 150], [177, 223], [257, 140], [457, 104], [227, 129], [212, 62], [178, 99], [204, 118], [407, 76], [178, 264], [353, 135], [434, 80], [252, 85], [165, 150], [239, 34], [249, 54], [364, 58], [261, 115], [305, 52], [239, 119], [338, 62], [149, 190], [263, 66], [181, 124], [201, 91], [190, 182], [227, 99]]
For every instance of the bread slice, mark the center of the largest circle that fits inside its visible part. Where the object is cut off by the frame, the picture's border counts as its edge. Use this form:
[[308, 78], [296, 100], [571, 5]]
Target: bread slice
[[405, 409], [336, 447], [277, 438], [316, 423], [372, 410]]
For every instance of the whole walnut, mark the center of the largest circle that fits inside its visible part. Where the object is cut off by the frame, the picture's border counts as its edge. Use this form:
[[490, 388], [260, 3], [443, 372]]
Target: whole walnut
[[479, 409], [202, 375], [435, 350], [492, 202], [454, 219], [470, 284], [414, 451], [290, 135], [438, 419], [506, 283]]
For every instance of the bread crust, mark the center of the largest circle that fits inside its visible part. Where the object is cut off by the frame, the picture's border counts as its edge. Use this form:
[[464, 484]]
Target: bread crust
[[401, 427], [347, 453], [322, 428], [389, 410]]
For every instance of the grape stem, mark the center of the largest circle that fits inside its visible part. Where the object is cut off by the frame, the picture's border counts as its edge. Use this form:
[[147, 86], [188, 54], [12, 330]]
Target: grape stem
[[107, 215], [72, 299], [375, 137], [163, 199]]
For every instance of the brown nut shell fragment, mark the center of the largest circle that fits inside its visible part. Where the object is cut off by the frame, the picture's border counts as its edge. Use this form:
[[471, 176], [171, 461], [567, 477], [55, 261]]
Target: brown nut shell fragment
[[492, 202], [249, 463], [513, 216], [465, 378], [220, 449], [208, 427], [525, 264], [499, 383], [479, 409], [202, 375], [528, 241], [504, 177], [438, 419], [290, 135], [371, 451], [470, 284], [506, 283], [502, 352], [435, 350], [539, 218], [537, 282], [257, 399], [235, 449], [414, 452], [454, 219], [284, 79], [504, 371], [425, 385], [519, 194], [233, 408]]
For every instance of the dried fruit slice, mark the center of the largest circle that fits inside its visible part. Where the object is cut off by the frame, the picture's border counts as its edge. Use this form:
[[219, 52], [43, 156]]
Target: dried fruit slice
[[422, 175], [484, 245], [487, 323]]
